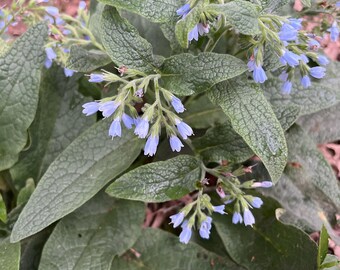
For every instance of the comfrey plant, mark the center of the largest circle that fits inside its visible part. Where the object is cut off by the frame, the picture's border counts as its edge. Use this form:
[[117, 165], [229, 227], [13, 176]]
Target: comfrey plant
[[167, 134]]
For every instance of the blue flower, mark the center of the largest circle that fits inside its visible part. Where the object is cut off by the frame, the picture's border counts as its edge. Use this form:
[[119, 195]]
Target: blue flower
[[259, 74], [127, 120], [50, 53], [305, 81], [283, 76], [66, 32], [59, 21], [142, 128], [82, 5], [248, 217], [68, 72], [219, 209], [193, 34], [205, 228], [286, 88], [290, 58], [90, 108], [323, 60], [115, 128], [337, 4], [151, 145], [183, 10], [97, 78], [256, 202], [177, 104], [185, 235], [251, 65], [296, 23], [288, 33], [237, 218], [48, 63], [304, 58], [334, 30], [184, 129], [52, 11], [108, 108], [2, 24], [313, 44], [175, 143], [317, 72], [49, 19], [264, 184], [177, 219]]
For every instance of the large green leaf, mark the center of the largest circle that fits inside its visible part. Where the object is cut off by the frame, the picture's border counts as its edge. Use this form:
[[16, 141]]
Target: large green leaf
[[91, 236], [9, 255], [86, 60], [273, 5], [161, 250], [308, 190], [123, 43], [156, 11], [158, 181], [269, 244], [253, 118], [19, 89], [76, 175], [185, 74], [58, 122], [322, 94], [241, 15], [323, 126]]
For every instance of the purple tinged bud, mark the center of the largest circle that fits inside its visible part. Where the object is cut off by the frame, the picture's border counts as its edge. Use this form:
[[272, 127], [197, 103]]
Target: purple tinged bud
[[185, 235], [259, 74], [177, 104], [66, 32], [248, 218], [139, 93], [142, 128], [52, 11], [96, 78], [127, 120], [237, 218], [184, 129], [151, 145], [313, 44], [219, 209], [264, 184], [90, 108], [115, 128], [257, 202], [183, 10], [205, 228], [286, 88], [251, 65], [175, 144], [203, 29], [305, 81], [334, 30], [68, 72], [82, 5], [323, 60], [177, 219], [50, 53], [317, 72], [108, 108]]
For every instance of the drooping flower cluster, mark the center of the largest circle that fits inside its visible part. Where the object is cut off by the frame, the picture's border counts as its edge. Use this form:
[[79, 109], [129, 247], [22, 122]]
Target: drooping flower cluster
[[198, 216], [155, 116]]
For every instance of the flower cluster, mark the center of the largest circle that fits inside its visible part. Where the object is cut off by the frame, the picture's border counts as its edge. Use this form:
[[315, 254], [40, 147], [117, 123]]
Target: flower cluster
[[203, 220], [155, 115]]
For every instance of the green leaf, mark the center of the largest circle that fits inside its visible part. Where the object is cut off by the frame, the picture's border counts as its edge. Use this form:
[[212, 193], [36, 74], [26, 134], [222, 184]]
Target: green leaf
[[323, 126], [222, 143], [26, 192], [3, 211], [96, 11], [161, 250], [269, 244], [19, 89], [9, 255], [287, 115], [201, 113], [59, 120], [186, 24], [306, 3], [323, 245], [91, 236], [159, 11], [331, 262], [241, 15], [124, 44], [76, 175], [322, 93], [86, 60], [271, 6], [158, 181], [185, 74], [253, 118]]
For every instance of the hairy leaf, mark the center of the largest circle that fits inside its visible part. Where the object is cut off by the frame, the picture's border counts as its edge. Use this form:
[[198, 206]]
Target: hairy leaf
[[76, 175], [9, 255], [158, 181], [19, 89], [91, 236], [185, 74], [253, 118]]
